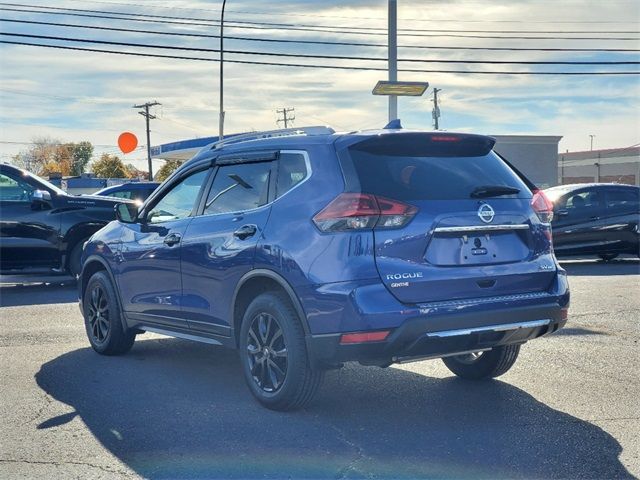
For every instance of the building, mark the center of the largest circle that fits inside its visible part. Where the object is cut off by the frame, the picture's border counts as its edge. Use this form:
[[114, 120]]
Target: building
[[617, 165], [534, 155]]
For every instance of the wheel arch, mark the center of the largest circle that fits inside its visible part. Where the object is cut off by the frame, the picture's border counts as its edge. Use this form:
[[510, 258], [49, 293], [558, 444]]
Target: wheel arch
[[254, 283], [92, 265], [76, 234]]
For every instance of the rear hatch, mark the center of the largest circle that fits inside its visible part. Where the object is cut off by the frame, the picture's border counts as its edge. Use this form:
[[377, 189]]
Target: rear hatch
[[473, 232]]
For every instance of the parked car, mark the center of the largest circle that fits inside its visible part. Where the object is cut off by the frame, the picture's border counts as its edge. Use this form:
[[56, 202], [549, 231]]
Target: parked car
[[42, 228], [305, 249], [138, 191], [595, 219]]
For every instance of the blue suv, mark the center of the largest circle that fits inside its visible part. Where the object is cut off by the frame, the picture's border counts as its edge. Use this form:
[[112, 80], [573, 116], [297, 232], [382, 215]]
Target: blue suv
[[306, 248]]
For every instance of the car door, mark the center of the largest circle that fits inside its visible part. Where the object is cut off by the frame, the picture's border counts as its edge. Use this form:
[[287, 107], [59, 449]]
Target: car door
[[219, 245], [621, 218], [578, 219], [149, 258], [29, 233]]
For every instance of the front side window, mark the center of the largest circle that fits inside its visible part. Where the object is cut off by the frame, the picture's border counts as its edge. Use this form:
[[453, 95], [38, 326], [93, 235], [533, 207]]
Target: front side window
[[14, 190], [178, 203], [239, 187], [122, 194]]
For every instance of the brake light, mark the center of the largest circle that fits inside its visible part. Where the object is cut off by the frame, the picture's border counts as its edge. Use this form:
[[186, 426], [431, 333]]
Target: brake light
[[363, 337], [363, 211], [444, 138], [542, 206]]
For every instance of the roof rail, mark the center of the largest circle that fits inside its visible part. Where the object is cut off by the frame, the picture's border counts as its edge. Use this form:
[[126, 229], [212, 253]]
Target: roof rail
[[286, 132]]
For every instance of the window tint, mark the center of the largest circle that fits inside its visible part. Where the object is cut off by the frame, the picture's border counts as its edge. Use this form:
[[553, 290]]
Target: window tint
[[588, 199], [180, 200], [292, 169], [430, 178], [239, 187], [623, 199], [14, 190], [122, 194]]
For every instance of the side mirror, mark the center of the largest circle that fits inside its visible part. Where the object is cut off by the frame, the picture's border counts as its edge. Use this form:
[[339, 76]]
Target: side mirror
[[127, 212], [41, 198]]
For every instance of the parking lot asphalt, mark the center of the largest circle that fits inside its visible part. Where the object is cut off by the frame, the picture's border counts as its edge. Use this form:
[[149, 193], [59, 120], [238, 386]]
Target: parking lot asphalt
[[569, 408]]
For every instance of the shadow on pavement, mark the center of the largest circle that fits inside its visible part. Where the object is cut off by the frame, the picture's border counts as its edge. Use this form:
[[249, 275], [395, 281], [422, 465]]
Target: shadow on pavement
[[590, 267], [173, 409], [19, 294]]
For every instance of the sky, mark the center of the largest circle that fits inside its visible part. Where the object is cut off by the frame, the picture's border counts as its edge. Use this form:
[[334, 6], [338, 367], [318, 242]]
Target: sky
[[80, 95]]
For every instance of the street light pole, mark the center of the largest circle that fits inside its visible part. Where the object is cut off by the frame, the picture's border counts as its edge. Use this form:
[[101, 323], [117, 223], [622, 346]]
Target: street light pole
[[221, 124], [393, 56]]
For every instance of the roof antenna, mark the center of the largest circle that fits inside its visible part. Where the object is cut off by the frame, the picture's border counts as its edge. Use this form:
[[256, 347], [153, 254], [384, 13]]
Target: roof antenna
[[394, 125]]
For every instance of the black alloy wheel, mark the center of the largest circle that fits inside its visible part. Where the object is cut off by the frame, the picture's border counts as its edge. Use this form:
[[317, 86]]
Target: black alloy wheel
[[104, 325], [99, 317], [267, 352]]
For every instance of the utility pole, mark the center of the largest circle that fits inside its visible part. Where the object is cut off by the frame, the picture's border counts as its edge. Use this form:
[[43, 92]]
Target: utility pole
[[221, 119], [592, 136], [393, 56], [145, 113], [436, 108], [286, 118]]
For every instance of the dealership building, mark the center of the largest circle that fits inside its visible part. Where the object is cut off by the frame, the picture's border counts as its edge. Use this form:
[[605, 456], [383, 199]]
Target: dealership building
[[613, 165]]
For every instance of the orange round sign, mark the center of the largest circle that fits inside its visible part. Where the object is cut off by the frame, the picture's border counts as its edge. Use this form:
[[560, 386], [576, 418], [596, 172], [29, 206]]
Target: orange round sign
[[127, 142]]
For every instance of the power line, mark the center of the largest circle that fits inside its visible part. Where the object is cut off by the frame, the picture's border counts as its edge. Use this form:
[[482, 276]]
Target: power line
[[306, 29], [288, 25], [301, 65], [314, 56], [315, 15], [145, 113], [317, 42]]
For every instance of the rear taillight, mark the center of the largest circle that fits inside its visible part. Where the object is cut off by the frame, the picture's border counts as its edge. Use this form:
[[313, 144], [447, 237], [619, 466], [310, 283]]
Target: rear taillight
[[542, 206], [363, 211]]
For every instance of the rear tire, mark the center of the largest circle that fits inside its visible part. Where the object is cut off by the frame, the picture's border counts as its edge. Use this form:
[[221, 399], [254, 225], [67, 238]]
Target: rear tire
[[607, 257], [102, 318], [489, 364], [74, 265], [274, 356]]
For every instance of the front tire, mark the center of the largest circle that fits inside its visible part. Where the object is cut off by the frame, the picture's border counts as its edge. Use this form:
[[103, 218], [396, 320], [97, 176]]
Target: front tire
[[102, 318], [483, 365], [75, 257], [274, 354]]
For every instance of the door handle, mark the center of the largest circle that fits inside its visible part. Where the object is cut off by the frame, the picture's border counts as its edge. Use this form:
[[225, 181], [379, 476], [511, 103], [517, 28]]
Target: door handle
[[594, 218], [245, 231], [172, 239]]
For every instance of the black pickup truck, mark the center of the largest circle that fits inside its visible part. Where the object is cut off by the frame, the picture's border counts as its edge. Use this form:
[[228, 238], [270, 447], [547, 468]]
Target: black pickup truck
[[42, 228]]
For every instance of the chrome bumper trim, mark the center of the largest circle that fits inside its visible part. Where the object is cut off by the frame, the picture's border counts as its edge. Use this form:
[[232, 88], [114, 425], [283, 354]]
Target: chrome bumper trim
[[489, 328], [482, 228]]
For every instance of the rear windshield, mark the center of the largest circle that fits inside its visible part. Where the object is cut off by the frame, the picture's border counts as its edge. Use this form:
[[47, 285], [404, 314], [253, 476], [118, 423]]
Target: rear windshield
[[414, 177]]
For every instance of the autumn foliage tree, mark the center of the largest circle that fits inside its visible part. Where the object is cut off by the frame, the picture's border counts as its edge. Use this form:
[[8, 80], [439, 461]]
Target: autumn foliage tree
[[47, 155], [167, 169], [109, 166]]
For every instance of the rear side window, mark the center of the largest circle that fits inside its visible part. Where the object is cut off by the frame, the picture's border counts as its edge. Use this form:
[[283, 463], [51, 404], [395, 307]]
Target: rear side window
[[400, 172], [292, 170], [623, 199], [239, 187]]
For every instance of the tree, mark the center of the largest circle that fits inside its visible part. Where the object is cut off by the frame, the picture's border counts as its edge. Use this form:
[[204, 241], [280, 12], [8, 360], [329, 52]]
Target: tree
[[109, 166], [167, 169], [80, 154], [133, 172], [47, 155]]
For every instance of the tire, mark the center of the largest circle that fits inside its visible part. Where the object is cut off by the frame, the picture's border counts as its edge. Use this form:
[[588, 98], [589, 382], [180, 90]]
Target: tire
[[74, 265], [102, 318], [274, 356], [607, 257], [489, 364]]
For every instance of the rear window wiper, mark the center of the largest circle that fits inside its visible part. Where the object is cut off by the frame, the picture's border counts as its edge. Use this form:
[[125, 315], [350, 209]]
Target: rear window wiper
[[493, 191]]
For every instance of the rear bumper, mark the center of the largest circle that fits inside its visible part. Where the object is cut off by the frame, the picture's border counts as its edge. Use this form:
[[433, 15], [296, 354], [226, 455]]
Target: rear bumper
[[423, 338], [447, 328]]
